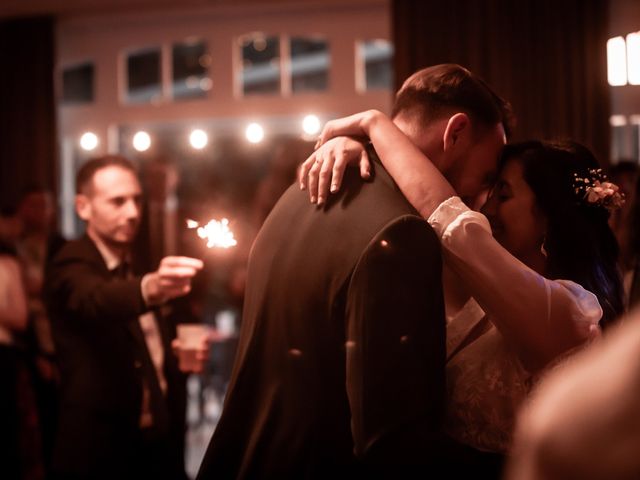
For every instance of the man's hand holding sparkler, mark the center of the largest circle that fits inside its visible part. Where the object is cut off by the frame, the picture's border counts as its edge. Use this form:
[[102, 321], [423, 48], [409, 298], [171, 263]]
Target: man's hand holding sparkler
[[171, 280]]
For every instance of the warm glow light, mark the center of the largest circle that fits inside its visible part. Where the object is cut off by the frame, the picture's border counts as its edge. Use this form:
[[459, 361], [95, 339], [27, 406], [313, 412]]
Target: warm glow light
[[616, 61], [206, 84], [88, 141], [254, 133], [617, 120], [633, 58], [141, 141], [311, 124], [198, 139]]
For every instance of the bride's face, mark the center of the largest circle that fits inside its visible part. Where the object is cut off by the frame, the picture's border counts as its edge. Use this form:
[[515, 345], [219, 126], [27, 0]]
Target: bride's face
[[516, 221]]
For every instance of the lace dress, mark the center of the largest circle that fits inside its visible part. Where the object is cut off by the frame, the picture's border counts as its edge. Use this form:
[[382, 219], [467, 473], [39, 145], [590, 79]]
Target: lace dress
[[486, 380]]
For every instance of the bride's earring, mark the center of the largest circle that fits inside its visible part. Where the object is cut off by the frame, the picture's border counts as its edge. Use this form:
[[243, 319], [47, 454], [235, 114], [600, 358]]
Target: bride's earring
[[543, 250]]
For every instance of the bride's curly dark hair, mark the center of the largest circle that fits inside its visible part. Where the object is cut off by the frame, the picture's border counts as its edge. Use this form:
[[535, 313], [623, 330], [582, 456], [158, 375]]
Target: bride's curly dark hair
[[579, 243]]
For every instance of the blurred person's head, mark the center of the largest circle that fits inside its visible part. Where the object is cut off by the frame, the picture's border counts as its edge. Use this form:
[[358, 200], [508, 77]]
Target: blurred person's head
[[624, 174], [456, 120], [109, 199], [35, 209], [538, 212], [633, 202], [10, 226]]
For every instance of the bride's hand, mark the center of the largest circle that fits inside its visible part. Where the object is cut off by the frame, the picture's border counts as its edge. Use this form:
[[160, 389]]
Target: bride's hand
[[356, 125], [326, 166]]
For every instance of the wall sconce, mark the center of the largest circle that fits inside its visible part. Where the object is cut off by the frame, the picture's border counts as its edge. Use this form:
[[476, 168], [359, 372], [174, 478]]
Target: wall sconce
[[633, 58], [616, 61], [88, 141]]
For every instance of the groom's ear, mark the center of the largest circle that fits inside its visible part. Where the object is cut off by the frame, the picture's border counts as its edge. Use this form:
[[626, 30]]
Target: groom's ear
[[457, 128]]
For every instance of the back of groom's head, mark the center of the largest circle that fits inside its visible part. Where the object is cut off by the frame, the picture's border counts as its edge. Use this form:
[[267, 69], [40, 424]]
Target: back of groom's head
[[436, 91]]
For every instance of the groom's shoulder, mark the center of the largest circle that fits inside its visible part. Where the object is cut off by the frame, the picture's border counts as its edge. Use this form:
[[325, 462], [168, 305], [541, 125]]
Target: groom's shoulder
[[382, 191], [407, 245], [408, 229]]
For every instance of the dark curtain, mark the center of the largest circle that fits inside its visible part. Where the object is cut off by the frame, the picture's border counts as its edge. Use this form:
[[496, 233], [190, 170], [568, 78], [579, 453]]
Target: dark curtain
[[547, 57], [28, 148]]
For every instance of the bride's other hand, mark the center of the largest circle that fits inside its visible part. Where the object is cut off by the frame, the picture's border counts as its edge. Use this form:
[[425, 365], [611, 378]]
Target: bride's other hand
[[324, 170]]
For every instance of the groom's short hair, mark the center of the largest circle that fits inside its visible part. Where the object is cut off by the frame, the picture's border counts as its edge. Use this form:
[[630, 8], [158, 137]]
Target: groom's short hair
[[435, 91]]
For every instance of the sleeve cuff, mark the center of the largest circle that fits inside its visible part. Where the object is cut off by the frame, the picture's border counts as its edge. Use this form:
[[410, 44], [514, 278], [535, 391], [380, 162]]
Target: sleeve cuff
[[446, 213], [143, 290], [588, 310]]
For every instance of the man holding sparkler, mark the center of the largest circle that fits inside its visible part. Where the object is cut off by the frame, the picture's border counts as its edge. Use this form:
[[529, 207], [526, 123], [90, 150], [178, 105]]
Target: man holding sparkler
[[122, 395]]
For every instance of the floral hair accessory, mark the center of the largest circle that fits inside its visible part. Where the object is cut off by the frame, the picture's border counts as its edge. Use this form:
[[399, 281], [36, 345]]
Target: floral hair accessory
[[596, 190]]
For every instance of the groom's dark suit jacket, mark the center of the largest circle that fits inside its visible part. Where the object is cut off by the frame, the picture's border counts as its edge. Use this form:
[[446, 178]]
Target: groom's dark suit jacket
[[340, 365], [104, 361]]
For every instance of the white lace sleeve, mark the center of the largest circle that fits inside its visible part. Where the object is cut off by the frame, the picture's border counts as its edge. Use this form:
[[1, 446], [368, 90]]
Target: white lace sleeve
[[542, 317]]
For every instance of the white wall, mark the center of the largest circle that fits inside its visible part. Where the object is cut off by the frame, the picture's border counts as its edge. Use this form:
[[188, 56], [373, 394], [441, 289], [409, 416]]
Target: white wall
[[103, 39]]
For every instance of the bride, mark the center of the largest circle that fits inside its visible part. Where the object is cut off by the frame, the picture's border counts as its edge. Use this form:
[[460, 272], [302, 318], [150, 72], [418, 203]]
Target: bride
[[517, 301]]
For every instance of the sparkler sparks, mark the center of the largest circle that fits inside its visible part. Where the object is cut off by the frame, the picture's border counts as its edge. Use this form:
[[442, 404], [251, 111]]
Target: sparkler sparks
[[216, 232]]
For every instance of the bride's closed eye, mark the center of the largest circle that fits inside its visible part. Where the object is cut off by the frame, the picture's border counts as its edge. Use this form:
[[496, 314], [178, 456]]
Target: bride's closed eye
[[502, 191]]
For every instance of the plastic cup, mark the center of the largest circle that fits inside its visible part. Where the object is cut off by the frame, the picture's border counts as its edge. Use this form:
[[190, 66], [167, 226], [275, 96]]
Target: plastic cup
[[192, 338]]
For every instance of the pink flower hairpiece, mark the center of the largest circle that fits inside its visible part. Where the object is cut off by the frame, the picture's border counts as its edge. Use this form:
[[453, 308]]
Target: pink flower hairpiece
[[597, 190]]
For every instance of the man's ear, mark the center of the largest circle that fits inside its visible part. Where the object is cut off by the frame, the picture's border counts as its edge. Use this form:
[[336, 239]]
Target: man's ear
[[83, 206], [457, 128]]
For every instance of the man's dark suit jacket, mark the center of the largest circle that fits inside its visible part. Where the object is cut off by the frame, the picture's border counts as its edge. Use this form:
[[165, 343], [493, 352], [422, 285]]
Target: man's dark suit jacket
[[104, 361], [340, 364]]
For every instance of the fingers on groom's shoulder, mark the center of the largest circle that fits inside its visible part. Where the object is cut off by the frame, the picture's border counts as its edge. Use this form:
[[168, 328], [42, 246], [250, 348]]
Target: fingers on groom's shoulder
[[303, 171], [365, 165]]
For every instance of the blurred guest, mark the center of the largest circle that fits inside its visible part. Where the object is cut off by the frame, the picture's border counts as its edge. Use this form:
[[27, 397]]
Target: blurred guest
[[37, 242], [10, 227], [584, 420], [632, 276], [626, 225], [36, 213], [122, 395], [281, 173], [279, 176], [13, 319]]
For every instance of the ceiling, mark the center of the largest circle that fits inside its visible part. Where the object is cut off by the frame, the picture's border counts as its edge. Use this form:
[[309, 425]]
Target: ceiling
[[64, 8]]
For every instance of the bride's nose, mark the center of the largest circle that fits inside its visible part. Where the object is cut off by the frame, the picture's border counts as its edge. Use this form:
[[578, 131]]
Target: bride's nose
[[479, 200], [489, 207]]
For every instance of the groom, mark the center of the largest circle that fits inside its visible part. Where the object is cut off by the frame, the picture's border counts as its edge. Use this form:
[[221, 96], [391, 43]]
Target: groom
[[340, 367]]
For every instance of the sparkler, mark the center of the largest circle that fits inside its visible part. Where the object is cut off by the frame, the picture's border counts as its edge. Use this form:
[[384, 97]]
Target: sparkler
[[216, 232]]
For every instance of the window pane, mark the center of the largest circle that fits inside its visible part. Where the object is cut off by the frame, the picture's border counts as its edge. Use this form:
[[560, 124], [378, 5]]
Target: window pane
[[143, 74], [77, 84], [619, 142], [260, 65], [635, 141], [190, 70], [310, 60], [378, 58]]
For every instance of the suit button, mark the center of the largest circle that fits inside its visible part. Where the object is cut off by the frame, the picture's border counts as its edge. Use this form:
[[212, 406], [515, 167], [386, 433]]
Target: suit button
[[137, 364]]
